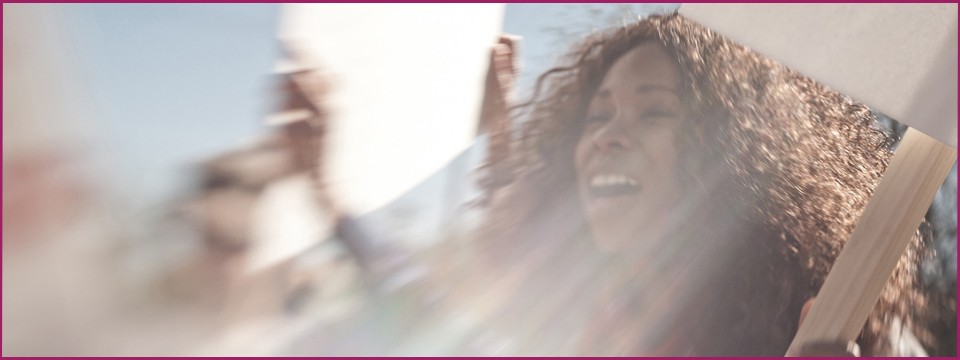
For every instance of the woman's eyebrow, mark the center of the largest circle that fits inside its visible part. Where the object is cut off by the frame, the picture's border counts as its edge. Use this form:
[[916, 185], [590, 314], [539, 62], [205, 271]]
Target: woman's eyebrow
[[646, 88], [603, 93]]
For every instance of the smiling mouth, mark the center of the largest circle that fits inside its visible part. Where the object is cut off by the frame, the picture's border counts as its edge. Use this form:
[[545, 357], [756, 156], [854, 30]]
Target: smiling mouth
[[612, 185]]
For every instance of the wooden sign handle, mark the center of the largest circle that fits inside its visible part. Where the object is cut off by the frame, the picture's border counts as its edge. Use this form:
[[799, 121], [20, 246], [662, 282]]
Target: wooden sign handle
[[893, 214]]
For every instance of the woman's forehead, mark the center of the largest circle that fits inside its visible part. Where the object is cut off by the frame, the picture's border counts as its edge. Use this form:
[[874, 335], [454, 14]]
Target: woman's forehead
[[645, 65]]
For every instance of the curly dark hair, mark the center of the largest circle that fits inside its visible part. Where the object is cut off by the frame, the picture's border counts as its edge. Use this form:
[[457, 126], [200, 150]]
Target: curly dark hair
[[798, 158]]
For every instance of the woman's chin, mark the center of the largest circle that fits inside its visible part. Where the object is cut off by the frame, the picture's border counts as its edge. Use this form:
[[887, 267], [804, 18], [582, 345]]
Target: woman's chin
[[614, 240], [623, 237], [607, 245]]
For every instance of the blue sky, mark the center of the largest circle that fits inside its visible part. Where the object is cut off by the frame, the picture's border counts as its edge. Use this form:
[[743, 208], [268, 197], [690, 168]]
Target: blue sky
[[172, 83]]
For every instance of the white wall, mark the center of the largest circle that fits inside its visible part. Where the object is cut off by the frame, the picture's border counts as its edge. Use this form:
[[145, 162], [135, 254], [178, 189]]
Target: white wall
[[407, 83]]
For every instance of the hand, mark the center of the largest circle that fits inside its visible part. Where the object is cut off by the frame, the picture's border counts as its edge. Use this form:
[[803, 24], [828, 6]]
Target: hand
[[303, 118], [501, 77], [837, 348], [494, 114]]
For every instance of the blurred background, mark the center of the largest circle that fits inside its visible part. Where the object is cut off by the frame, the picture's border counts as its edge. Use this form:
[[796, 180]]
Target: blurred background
[[158, 199]]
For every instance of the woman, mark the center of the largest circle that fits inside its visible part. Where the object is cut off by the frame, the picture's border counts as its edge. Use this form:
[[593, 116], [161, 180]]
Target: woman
[[715, 187]]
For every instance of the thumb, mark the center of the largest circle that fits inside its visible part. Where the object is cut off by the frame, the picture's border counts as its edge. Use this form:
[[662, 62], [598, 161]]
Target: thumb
[[805, 310]]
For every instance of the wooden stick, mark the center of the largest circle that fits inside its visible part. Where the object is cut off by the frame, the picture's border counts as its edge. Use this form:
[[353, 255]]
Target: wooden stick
[[852, 287]]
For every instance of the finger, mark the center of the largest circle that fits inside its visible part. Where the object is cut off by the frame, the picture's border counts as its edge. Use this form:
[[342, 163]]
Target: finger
[[512, 42], [804, 310], [503, 66]]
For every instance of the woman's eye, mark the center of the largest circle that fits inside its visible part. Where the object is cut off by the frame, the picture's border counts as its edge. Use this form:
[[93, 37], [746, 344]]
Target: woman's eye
[[652, 117], [599, 118], [657, 115]]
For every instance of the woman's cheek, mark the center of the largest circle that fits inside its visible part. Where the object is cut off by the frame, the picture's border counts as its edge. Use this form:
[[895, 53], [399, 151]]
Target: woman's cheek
[[661, 145], [580, 152]]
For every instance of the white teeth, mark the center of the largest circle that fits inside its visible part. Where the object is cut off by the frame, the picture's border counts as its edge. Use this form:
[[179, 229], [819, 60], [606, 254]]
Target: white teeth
[[595, 181], [612, 179]]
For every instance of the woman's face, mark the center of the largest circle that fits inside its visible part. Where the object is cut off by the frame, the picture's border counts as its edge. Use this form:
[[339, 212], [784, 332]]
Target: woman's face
[[626, 159]]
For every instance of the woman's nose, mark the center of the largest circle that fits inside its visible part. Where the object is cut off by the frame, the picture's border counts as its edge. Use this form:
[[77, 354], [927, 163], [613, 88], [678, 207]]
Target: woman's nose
[[612, 136]]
